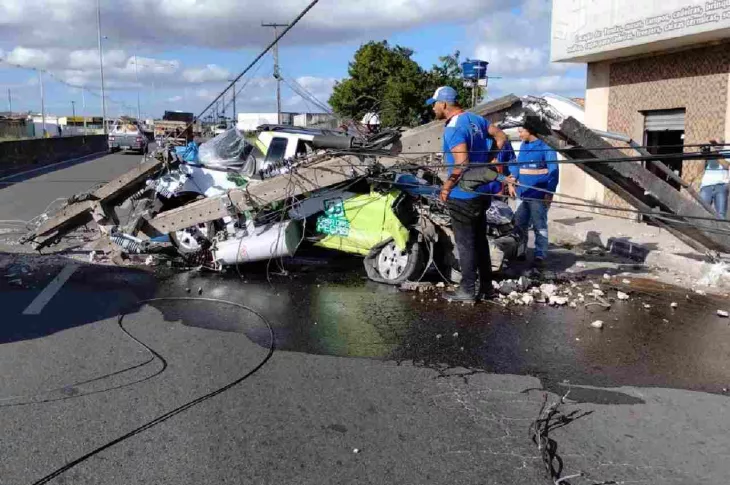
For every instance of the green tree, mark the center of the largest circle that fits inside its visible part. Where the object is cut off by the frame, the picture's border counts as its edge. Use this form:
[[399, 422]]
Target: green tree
[[382, 79], [386, 80]]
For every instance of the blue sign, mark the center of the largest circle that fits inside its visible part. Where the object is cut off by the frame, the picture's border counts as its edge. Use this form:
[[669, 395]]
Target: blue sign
[[474, 70]]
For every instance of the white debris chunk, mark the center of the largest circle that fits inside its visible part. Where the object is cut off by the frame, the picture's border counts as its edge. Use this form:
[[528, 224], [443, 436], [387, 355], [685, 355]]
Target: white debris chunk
[[647, 306], [674, 304], [597, 324], [496, 284], [626, 282], [440, 284], [558, 300], [596, 293], [581, 265], [621, 295], [438, 336], [573, 284], [581, 298], [572, 304], [596, 286], [356, 451], [548, 290], [606, 276], [92, 254], [455, 334], [527, 299], [514, 296], [722, 313], [149, 261], [701, 292]]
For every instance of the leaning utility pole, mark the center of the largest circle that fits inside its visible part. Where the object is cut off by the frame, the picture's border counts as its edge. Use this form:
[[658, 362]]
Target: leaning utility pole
[[277, 76], [235, 116]]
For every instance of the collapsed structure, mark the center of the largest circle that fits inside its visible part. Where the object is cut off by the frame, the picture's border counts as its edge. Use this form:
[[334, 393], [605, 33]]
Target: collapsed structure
[[321, 176]]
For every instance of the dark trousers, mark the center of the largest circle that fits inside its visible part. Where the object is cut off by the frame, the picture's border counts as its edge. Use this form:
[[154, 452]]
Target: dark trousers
[[469, 221]]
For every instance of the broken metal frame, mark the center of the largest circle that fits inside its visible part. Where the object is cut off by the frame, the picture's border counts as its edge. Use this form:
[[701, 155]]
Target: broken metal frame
[[631, 181]]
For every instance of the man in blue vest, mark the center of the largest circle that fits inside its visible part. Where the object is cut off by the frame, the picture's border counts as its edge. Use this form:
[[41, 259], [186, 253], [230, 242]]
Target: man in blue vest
[[537, 175], [465, 142]]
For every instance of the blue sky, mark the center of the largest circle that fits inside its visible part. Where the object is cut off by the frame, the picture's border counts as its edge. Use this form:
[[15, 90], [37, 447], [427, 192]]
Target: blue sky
[[186, 49]]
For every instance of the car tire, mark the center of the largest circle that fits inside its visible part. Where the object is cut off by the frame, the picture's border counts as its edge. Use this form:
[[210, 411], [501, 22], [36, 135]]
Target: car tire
[[184, 239], [389, 265]]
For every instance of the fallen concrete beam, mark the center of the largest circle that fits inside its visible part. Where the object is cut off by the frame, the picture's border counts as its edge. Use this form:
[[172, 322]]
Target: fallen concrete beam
[[641, 188], [80, 213], [413, 145]]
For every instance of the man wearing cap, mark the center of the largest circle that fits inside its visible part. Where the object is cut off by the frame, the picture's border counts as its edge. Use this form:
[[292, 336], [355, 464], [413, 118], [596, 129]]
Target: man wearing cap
[[537, 175], [465, 142]]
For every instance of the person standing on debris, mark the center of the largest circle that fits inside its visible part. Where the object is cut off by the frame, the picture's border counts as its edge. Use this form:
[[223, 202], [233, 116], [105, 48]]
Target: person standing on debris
[[537, 175], [715, 181], [465, 141]]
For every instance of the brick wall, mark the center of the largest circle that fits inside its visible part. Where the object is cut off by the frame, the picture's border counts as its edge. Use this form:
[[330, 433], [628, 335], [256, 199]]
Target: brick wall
[[696, 80]]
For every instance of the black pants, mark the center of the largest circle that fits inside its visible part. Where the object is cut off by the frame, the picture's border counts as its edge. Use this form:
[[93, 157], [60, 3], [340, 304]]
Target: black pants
[[469, 222]]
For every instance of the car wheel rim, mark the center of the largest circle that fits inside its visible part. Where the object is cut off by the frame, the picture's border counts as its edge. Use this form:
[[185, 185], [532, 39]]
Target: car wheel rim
[[392, 262]]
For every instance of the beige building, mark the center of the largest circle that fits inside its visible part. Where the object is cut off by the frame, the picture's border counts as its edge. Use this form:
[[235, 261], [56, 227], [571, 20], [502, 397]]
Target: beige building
[[657, 71]]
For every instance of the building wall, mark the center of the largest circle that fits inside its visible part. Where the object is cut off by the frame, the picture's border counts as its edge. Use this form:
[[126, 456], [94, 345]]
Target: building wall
[[696, 80]]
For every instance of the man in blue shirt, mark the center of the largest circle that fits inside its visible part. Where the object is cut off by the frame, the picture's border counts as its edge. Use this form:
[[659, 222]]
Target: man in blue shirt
[[465, 142], [537, 175], [716, 180]]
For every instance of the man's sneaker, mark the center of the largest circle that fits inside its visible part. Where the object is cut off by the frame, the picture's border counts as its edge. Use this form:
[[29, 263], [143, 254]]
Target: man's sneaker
[[459, 296], [539, 263]]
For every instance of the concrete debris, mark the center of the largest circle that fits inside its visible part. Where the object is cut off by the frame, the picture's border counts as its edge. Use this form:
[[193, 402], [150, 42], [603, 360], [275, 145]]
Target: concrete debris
[[514, 296], [626, 282], [149, 261], [701, 292], [647, 306], [527, 299], [92, 254], [416, 286], [572, 304], [558, 300], [622, 296], [596, 293], [597, 324], [596, 286], [548, 290], [187, 290], [356, 451], [674, 304], [455, 334], [723, 314], [606, 276], [200, 291], [581, 265], [438, 336], [440, 284], [581, 298]]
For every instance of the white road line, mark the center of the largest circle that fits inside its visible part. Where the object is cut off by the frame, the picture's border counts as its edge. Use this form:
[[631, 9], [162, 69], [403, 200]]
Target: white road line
[[40, 301], [44, 167]]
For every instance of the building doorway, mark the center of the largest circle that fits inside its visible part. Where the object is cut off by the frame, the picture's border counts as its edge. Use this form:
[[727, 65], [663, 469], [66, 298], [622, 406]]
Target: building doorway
[[664, 135]]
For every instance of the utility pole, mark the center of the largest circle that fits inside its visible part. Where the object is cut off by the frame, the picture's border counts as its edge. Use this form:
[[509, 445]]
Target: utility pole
[[136, 80], [235, 115], [10, 103], [277, 76], [101, 64], [73, 108], [83, 108], [43, 103]]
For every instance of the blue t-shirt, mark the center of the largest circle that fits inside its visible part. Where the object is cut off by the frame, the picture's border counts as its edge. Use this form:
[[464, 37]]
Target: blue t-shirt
[[473, 130]]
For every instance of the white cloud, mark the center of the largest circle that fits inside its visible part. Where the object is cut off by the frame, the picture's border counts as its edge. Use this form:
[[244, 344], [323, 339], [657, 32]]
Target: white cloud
[[175, 99], [209, 73]]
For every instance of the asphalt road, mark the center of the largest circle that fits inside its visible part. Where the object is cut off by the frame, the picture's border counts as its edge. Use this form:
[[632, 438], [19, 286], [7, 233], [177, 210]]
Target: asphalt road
[[365, 384]]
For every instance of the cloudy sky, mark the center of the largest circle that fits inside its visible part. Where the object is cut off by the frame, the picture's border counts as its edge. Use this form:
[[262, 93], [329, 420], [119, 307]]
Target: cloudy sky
[[185, 50]]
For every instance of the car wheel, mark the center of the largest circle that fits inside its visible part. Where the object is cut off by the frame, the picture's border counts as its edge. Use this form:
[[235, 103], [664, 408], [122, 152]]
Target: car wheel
[[394, 266], [193, 239]]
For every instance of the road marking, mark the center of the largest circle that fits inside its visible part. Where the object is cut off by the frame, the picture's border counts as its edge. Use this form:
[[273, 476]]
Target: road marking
[[44, 167], [40, 301]]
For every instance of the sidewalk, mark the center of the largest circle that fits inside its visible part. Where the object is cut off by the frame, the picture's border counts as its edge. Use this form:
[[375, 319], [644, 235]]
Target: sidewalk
[[650, 245]]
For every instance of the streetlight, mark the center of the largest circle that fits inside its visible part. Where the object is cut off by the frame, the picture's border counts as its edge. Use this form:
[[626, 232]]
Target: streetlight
[[101, 64]]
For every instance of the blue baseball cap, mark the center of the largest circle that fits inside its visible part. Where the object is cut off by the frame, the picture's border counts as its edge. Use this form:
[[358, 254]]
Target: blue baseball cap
[[444, 93]]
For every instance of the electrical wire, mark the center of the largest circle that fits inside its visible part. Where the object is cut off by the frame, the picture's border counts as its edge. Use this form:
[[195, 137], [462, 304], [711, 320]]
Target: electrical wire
[[180, 409]]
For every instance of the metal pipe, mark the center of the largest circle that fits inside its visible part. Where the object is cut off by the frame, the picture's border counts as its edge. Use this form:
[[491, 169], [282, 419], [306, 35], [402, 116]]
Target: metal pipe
[[43, 103], [662, 168]]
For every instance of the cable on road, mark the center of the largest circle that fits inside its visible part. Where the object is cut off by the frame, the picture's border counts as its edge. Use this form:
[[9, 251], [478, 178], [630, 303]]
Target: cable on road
[[179, 409]]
